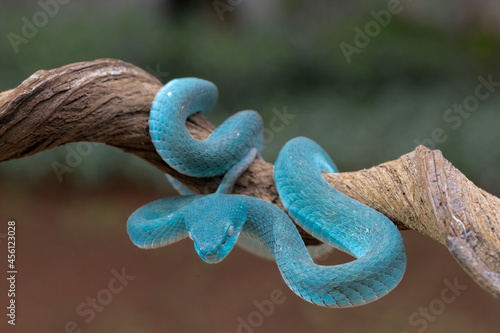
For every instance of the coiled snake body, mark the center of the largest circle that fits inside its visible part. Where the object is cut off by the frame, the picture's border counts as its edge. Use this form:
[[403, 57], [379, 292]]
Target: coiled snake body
[[215, 221]]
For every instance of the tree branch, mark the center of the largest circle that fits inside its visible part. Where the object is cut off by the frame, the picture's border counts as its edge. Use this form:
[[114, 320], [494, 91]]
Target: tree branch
[[108, 101]]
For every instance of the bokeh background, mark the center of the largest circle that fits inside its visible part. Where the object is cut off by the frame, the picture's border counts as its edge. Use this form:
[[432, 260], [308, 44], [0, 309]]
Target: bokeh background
[[275, 57]]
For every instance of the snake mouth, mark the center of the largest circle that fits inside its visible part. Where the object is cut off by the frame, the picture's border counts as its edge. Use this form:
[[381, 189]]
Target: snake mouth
[[212, 257]]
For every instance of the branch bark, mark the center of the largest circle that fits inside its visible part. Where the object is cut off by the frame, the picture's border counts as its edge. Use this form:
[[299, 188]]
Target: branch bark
[[108, 101]]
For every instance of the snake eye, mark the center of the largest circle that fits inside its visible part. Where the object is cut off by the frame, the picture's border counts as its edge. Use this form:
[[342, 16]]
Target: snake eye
[[190, 235], [230, 231]]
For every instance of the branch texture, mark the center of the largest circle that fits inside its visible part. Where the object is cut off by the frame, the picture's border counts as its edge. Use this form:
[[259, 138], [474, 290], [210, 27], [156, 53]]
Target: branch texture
[[108, 101]]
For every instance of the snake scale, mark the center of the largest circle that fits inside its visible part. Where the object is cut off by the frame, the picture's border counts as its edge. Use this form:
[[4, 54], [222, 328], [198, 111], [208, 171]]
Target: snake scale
[[214, 222]]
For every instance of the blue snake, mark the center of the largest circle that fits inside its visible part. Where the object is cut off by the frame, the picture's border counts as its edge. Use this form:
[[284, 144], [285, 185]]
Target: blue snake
[[215, 221]]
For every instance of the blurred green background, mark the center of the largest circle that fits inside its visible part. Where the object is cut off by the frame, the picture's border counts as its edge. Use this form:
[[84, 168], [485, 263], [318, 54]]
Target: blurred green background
[[390, 96]]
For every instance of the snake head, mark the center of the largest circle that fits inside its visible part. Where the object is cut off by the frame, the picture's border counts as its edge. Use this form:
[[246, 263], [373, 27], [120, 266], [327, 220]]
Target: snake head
[[214, 223]]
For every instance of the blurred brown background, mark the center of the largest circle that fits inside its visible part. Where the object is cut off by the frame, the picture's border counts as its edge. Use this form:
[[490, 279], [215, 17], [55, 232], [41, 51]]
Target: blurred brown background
[[404, 76]]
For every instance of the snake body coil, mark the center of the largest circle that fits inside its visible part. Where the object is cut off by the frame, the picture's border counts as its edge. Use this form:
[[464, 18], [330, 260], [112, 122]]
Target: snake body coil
[[232, 140], [215, 221]]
